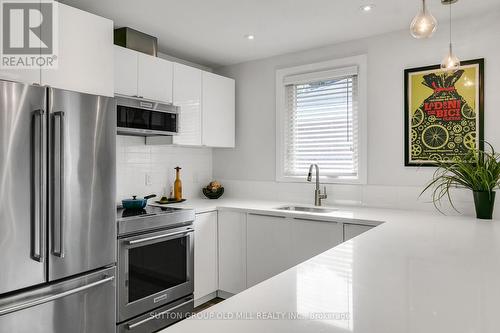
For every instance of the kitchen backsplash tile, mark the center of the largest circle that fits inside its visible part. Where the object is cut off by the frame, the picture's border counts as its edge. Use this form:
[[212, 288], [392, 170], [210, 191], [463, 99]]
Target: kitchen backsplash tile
[[144, 169]]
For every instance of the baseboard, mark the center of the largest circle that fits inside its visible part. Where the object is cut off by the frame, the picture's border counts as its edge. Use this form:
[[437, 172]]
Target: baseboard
[[224, 294], [205, 298]]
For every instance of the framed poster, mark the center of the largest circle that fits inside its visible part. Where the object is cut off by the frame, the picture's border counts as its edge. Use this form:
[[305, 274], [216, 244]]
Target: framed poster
[[443, 113]]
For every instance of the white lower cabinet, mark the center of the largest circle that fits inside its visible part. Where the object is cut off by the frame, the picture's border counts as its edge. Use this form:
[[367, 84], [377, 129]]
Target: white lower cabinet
[[275, 244], [205, 254], [311, 237], [269, 247], [236, 250], [232, 251], [353, 230]]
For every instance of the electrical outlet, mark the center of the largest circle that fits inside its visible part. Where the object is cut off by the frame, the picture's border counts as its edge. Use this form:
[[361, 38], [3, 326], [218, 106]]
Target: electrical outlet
[[148, 180]]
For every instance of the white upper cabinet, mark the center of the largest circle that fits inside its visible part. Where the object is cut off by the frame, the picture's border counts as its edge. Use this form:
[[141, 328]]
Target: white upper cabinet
[[125, 71], [141, 75], [154, 78], [85, 53], [218, 111], [187, 95], [30, 76]]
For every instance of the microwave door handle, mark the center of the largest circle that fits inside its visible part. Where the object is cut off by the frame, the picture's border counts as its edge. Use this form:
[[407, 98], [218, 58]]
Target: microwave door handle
[[59, 147], [147, 239], [38, 185]]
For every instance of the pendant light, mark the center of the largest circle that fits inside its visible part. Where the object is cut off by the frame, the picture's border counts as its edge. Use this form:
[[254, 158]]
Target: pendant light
[[424, 24], [450, 62]]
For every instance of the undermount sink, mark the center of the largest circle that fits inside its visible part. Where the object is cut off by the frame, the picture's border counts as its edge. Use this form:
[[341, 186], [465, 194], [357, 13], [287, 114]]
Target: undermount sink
[[308, 209]]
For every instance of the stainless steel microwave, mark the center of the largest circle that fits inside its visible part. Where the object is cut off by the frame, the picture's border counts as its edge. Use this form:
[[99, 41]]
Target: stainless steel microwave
[[141, 117]]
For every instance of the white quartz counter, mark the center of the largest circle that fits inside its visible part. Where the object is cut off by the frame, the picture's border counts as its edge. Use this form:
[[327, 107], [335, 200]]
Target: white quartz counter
[[417, 272]]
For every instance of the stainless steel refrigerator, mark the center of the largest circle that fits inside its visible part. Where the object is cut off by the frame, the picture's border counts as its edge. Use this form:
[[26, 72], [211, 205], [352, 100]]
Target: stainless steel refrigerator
[[57, 210]]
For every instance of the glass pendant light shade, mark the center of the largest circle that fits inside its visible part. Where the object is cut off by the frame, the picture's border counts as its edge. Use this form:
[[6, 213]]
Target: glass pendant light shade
[[424, 24], [450, 62]]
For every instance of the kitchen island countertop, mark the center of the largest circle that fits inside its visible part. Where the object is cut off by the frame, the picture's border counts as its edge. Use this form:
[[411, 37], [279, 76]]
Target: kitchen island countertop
[[414, 272]]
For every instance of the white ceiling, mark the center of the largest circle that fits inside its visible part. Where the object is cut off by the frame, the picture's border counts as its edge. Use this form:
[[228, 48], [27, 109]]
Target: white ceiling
[[211, 32]]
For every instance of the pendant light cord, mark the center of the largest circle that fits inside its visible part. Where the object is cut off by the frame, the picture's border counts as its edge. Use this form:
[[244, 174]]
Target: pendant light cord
[[450, 22]]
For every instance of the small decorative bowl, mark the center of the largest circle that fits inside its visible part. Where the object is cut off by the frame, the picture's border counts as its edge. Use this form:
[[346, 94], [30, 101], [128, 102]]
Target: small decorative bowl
[[213, 195]]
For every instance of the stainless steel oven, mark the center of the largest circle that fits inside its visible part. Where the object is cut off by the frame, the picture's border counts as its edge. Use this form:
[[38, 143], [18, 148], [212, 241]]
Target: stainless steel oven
[[155, 268]]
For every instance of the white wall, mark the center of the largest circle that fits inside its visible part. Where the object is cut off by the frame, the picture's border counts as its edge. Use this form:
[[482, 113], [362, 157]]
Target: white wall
[[389, 182], [135, 160]]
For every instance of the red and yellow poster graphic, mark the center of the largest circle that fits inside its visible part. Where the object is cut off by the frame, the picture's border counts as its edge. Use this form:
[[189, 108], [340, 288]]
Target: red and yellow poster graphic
[[443, 113]]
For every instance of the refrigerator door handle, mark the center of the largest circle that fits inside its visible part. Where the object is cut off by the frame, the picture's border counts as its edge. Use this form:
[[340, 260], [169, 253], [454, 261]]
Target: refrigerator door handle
[[53, 297], [59, 147], [38, 160]]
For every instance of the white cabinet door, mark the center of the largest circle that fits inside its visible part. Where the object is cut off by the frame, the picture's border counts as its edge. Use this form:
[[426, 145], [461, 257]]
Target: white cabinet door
[[353, 230], [154, 78], [29, 76], [85, 53], [218, 111], [125, 71], [310, 238], [187, 95], [232, 251], [268, 247], [205, 254]]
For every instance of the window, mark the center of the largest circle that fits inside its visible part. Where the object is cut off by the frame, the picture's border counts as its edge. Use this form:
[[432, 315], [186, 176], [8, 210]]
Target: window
[[319, 115]]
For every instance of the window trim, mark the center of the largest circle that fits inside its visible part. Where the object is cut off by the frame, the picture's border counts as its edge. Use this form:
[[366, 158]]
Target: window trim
[[337, 64]]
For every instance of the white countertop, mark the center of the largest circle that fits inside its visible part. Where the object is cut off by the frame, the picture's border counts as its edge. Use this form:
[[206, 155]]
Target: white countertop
[[417, 272]]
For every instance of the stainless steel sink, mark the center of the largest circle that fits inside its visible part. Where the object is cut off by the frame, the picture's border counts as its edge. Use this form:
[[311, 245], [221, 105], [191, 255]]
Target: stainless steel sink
[[308, 209]]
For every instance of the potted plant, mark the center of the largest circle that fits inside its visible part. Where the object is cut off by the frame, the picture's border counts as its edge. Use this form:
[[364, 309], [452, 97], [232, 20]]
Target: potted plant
[[478, 171]]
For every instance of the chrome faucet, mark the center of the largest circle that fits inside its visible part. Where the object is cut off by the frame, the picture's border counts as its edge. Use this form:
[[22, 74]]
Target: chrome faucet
[[318, 196]]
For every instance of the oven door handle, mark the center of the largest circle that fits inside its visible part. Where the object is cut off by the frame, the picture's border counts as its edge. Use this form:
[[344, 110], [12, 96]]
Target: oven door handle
[[147, 239]]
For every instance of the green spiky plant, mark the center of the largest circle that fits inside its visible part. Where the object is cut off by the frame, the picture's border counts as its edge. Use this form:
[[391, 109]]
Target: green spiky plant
[[478, 171]]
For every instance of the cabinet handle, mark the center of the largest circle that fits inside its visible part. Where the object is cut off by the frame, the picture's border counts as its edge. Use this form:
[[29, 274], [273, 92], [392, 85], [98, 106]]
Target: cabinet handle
[[267, 215], [312, 220]]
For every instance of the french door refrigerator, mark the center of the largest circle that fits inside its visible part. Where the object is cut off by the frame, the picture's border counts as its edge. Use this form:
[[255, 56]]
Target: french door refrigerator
[[57, 210]]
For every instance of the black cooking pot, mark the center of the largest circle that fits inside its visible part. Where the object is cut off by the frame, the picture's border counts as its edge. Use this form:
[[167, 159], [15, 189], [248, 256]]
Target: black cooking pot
[[135, 203]]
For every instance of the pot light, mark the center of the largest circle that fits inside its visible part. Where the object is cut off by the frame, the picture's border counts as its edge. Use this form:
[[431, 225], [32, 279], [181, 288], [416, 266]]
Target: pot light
[[367, 8], [249, 36]]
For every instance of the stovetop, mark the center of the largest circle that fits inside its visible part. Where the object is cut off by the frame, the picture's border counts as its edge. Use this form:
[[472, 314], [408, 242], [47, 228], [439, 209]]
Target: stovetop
[[152, 218], [123, 213]]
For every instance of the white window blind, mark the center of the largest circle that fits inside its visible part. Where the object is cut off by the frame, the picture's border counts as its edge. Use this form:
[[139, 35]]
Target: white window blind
[[321, 123]]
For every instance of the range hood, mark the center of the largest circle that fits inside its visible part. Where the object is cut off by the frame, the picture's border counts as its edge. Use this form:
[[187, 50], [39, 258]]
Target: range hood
[[136, 40]]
